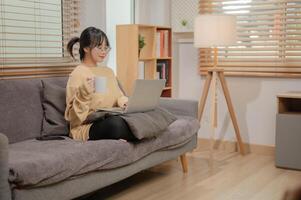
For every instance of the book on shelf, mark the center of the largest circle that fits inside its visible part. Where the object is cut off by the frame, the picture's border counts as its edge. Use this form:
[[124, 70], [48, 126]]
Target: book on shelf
[[141, 70], [157, 75], [162, 47], [162, 71], [166, 45]]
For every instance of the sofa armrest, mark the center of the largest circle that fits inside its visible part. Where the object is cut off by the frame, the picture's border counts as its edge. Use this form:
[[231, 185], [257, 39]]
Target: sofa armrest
[[180, 106], [5, 192]]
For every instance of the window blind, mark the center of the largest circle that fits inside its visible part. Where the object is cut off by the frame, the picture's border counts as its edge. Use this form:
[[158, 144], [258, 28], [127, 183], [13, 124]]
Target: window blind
[[34, 35], [269, 38]]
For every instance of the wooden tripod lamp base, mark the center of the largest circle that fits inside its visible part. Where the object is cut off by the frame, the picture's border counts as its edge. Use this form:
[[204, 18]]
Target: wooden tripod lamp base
[[220, 75], [211, 30]]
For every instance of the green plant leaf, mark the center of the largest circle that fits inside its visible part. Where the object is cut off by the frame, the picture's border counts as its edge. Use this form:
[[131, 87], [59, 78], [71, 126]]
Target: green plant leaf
[[141, 41]]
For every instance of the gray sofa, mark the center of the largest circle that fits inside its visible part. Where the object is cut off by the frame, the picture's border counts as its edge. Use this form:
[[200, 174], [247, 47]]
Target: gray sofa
[[67, 169]]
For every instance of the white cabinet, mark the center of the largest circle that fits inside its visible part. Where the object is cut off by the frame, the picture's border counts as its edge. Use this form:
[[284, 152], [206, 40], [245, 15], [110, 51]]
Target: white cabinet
[[288, 134]]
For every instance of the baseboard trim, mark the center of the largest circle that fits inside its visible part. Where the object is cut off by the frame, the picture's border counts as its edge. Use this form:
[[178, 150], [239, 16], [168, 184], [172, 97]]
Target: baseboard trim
[[232, 146]]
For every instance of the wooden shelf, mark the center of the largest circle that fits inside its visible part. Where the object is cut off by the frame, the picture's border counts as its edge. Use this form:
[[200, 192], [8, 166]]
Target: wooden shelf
[[292, 94], [158, 58], [146, 59], [164, 58], [163, 28], [154, 61], [167, 88], [145, 26]]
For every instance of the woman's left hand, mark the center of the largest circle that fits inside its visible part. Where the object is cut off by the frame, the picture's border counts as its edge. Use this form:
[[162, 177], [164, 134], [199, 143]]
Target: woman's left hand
[[122, 102], [125, 105]]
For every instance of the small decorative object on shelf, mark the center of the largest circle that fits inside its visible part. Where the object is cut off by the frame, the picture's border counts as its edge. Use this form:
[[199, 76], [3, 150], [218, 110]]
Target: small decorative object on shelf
[[184, 22], [141, 43]]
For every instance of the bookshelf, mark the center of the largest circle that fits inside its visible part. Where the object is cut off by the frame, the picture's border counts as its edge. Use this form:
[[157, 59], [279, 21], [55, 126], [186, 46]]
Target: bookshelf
[[154, 60]]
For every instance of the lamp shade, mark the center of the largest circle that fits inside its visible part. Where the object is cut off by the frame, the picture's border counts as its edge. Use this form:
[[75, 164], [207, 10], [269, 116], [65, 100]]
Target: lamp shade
[[214, 30]]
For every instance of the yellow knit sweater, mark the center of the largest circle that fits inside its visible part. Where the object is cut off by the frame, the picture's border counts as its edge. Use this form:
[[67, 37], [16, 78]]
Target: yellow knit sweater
[[81, 100]]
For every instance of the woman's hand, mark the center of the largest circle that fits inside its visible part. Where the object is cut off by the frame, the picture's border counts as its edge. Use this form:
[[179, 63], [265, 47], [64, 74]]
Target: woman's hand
[[122, 101], [124, 105]]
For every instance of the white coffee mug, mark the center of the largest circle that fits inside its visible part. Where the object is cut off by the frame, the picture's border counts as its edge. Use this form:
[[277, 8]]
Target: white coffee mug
[[100, 84]]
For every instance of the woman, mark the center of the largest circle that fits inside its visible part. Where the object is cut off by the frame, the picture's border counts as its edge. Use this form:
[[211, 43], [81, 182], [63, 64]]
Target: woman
[[81, 98]]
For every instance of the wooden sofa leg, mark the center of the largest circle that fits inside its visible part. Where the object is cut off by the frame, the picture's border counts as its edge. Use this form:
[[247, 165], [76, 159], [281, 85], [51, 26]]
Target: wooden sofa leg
[[184, 163]]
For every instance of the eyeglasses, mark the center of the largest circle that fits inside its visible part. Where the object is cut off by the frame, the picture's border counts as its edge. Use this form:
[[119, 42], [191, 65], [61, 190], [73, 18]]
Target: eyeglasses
[[104, 49]]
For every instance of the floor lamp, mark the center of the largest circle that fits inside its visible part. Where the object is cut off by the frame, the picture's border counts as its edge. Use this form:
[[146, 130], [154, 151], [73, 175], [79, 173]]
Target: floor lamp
[[212, 31]]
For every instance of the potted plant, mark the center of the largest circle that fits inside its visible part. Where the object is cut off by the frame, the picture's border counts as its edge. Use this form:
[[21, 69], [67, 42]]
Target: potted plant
[[141, 43], [184, 22]]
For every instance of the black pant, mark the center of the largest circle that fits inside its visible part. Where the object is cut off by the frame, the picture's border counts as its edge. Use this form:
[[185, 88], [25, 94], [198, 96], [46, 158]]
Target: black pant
[[112, 127]]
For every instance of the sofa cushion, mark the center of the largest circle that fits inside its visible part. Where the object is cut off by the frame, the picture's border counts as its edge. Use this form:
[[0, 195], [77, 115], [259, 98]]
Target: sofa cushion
[[45, 162], [21, 110], [54, 105]]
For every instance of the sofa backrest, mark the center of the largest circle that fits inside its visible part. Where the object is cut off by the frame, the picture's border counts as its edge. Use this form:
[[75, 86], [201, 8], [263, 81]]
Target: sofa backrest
[[21, 112]]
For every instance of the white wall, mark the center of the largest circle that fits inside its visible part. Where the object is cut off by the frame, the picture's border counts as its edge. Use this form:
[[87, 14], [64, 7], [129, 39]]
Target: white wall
[[118, 12], [93, 13], [155, 12]]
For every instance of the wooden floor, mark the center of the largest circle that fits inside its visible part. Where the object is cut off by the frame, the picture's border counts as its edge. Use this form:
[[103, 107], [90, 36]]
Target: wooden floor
[[233, 177]]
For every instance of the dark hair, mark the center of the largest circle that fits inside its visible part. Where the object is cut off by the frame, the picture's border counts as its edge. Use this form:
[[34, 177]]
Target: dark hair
[[90, 37]]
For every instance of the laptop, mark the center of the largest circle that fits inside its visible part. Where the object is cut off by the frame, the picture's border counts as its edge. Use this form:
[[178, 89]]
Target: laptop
[[145, 97]]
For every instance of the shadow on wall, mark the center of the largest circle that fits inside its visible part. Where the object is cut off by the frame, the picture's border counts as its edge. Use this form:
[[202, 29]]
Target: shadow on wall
[[242, 92]]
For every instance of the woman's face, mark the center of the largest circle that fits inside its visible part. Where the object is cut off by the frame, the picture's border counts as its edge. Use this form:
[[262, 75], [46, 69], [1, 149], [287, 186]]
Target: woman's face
[[99, 53]]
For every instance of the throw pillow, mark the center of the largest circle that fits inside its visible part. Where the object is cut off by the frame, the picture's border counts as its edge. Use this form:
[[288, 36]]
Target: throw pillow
[[150, 123], [54, 105]]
